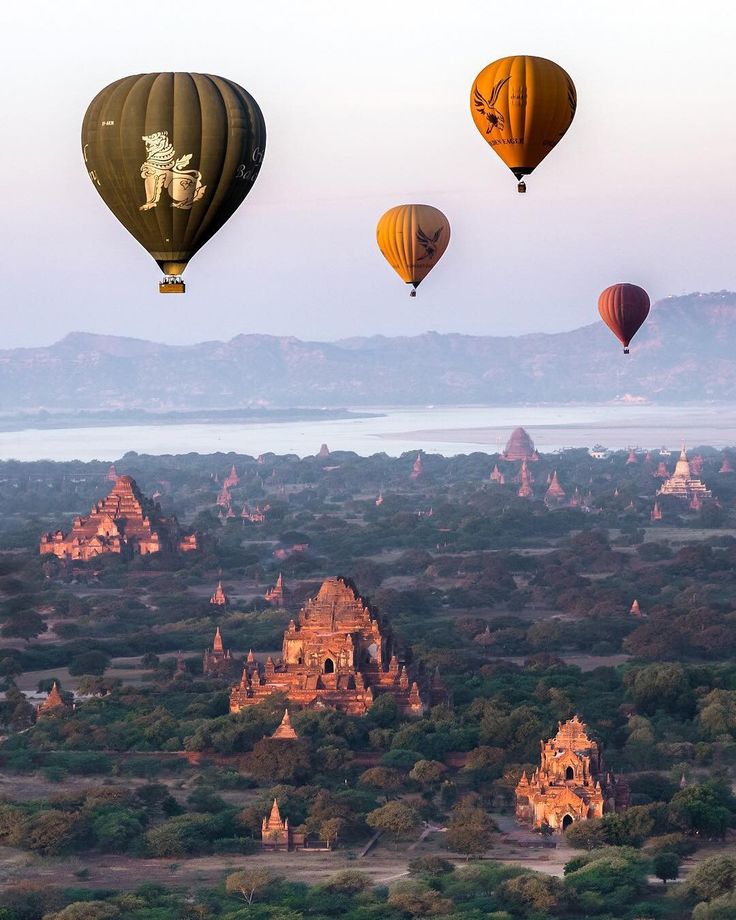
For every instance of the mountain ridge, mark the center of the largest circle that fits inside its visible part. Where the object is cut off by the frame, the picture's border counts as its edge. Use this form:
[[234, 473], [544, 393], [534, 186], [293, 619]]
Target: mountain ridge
[[683, 353]]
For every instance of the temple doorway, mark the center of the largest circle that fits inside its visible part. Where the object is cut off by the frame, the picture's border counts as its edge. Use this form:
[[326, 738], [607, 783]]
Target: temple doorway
[[329, 666], [569, 773], [566, 822]]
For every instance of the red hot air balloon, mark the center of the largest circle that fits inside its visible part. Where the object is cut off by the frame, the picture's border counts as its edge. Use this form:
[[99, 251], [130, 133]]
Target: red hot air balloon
[[623, 308]]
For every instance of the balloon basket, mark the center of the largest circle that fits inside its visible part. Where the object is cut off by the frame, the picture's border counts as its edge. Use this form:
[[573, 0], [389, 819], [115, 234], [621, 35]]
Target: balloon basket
[[521, 188], [626, 351], [412, 293], [173, 285]]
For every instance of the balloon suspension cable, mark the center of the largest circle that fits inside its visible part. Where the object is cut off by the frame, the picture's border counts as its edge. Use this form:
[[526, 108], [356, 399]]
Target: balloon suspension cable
[[521, 187]]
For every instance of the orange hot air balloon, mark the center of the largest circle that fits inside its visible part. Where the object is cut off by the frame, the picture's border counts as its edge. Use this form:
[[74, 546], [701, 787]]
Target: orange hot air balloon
[[412, 238], [623, 308], [523, 105]]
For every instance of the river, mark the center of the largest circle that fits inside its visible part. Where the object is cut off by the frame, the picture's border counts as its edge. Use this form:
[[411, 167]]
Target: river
[[445, 430]]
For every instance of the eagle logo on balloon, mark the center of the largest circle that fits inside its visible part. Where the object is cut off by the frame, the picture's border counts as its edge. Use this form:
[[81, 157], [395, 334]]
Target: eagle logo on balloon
[[487, 107], [428, 243], [164, 171]]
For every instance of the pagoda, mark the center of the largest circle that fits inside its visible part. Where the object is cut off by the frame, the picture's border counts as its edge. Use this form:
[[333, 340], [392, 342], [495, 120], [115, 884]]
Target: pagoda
[[379, 499], [232, 479], [662, 472], [275, 595], [124, 523], [656, 514], [217, 661], [219, 598], [635, 609], [696, 465], [285, 730], [555, 494], [520, 447], [276, 833], [112, 474], [570, 785], [525, 489], [416, 470], [338, 654], [324, 452], [681, 483], [726, 466], [53, 704], [497, 476], [631, 458], [223, 497]]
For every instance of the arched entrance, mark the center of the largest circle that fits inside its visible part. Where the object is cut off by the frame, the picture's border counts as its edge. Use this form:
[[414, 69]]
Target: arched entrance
[[329, 666], [566, 822], [569, 773]]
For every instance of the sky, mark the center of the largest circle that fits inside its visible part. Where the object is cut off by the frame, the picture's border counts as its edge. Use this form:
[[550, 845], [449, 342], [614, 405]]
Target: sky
[[367, 106]]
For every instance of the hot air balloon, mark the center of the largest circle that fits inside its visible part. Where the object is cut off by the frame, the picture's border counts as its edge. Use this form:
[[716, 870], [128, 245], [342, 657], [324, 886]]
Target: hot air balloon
[[173, 155], [623, 308], [412, 238], [522, 106]]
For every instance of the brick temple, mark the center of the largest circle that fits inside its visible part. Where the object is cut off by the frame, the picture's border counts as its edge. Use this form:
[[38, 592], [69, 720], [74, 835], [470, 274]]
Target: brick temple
[[570, 785], [125, 523], [339, 654], [520, 447], [683, 483]]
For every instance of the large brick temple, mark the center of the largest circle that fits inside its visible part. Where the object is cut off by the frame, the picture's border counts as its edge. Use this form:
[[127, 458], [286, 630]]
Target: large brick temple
[[125, 522], [339, 654], [570, 785]]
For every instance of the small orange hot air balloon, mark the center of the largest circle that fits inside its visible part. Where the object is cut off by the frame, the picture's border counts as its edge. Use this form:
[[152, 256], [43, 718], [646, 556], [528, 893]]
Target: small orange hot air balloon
[[412, 238], [523, 105], [623, 308]]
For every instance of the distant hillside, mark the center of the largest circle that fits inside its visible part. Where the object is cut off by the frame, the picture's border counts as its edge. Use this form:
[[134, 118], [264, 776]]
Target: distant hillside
[[684, 353]]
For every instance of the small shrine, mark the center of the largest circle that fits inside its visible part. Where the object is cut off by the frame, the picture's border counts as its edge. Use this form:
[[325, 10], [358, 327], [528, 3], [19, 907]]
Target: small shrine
[[285, 730], [276, 833], [635, 609], [416, 470], [656, 514], [570, 784], [555, 494], [632, 458], [526, 480], [232, 479], [53, 704], [275, 595], [324, 452], [218, 661], [497, 476], [219, 598]]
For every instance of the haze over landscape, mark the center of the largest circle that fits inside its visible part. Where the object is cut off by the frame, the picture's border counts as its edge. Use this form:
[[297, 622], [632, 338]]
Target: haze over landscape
[[362, 576]]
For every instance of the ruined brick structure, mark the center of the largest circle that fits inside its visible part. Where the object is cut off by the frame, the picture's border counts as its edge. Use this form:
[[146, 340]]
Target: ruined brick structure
[[570, 785], [125, 523], [339, 654]]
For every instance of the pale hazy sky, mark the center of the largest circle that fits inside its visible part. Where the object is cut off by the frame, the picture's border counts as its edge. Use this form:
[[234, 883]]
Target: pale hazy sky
[[366, 106]]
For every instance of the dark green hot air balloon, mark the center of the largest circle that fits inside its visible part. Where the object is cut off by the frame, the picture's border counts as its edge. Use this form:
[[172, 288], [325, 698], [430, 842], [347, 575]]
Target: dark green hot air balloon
[[173, 155]]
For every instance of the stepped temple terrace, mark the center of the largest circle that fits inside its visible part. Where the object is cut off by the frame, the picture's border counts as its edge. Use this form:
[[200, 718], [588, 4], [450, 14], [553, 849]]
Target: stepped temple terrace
[[520, 447], [570, 785], [682, 483], [338, 654], [125, 523]]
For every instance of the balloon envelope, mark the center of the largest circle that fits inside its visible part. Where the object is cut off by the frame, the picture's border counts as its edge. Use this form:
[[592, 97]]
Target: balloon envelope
[[412, 238], [522, 106], [623, 308], [173, 155]]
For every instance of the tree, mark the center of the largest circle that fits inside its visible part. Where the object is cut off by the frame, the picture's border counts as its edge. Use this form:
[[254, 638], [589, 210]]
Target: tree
[[86, 910], [26, 625], [706, 809], [383, 778], [52, 831], [428, 772], [417, 899], [273, 759], [470, 830], [348, 881], [713, 878], [247, 882], [330, 830], [396, 818], [586, 835], [666, 865], [92, 662]]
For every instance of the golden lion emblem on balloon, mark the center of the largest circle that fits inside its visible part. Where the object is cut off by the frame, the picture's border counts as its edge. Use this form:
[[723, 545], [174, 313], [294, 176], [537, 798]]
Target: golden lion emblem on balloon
[[164, 171]]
